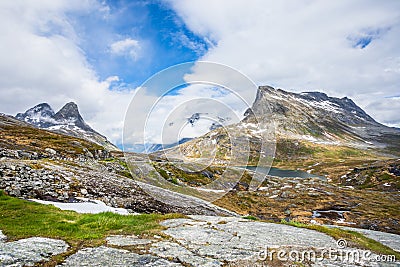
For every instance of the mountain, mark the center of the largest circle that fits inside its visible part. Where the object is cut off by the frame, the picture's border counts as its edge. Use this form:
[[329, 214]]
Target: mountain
[[67, 121], [305, 124], [26, 172], [69, 114], [318, 118], [40, 115], [22, 140]]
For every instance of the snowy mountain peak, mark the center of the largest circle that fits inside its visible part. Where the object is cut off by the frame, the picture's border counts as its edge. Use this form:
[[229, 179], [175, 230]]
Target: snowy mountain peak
[[67, 121], [343, 109], [40, 115], [310, 117], [319, 117], [69, 110], [69, 114]]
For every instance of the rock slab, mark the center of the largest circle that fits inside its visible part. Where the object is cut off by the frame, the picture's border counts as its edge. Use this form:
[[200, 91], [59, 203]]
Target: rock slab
[[27, 252], [112, 257]]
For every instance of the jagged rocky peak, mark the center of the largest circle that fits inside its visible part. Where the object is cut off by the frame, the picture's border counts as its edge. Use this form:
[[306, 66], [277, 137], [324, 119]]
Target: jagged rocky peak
[[69, 114], [68, 111], [317, 117], [42, 109], [286, 103], [40, 115], [67, 121]]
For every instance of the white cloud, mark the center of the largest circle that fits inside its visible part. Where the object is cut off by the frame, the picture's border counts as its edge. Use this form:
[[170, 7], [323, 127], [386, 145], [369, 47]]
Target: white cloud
[[127, 46], [388, 110], [168, 120], [183, 40], [299, 45], [214, 91], [306, 45], [156, 119], [41, 61]]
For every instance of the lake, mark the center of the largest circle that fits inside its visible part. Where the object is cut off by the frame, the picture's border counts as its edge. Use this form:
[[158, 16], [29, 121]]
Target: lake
[[284, 173]]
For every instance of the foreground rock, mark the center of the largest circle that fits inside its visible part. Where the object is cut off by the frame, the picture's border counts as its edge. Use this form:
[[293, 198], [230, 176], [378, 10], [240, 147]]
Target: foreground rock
[[104, 256], [229, 241], [27, 252], [225, 241], [3, 238], [387, 239], [233, 239]]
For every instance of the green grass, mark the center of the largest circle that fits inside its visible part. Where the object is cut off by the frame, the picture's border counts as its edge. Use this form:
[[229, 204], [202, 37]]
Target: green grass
[[250, 217], [122, 163], [118, 160], [352, 237], [22, 219], [193, 178]]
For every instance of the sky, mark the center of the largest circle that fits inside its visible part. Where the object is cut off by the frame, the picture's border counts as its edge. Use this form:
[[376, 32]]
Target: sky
[[99, 53]]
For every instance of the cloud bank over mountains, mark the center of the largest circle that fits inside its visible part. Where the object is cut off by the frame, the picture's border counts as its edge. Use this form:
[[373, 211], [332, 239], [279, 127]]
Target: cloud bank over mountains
[[343, 48]]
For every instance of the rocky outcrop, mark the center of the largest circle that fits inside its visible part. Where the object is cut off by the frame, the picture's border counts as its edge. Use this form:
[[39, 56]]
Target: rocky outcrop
[[30, 251], [50, 153], [110, 257], [209, 241], [316, 117], [68, 181]]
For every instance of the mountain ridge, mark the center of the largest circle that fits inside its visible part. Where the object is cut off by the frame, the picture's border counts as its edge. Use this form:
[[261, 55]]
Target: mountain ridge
[[308, 118], [67, 120], [320, 117]]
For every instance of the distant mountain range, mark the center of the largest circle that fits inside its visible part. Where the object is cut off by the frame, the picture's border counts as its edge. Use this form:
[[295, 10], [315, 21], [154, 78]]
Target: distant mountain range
[[310, 116], [67, 121]]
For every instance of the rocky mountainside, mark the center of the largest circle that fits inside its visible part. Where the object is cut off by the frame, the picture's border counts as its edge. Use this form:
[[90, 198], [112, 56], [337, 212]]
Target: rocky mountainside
[[311, 118], [67, 120], [41, 164], [318, 118]]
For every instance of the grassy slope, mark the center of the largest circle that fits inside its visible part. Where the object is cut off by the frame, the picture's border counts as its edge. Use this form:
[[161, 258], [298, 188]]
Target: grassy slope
[[22, 219], [353, 238], [24, 137]]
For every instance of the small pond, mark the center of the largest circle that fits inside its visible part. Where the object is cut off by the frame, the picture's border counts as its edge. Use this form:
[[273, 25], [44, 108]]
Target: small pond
[[284, 173]]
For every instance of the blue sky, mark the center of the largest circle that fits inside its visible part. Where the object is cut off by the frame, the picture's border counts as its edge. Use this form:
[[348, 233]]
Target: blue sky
[[163, 38]]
